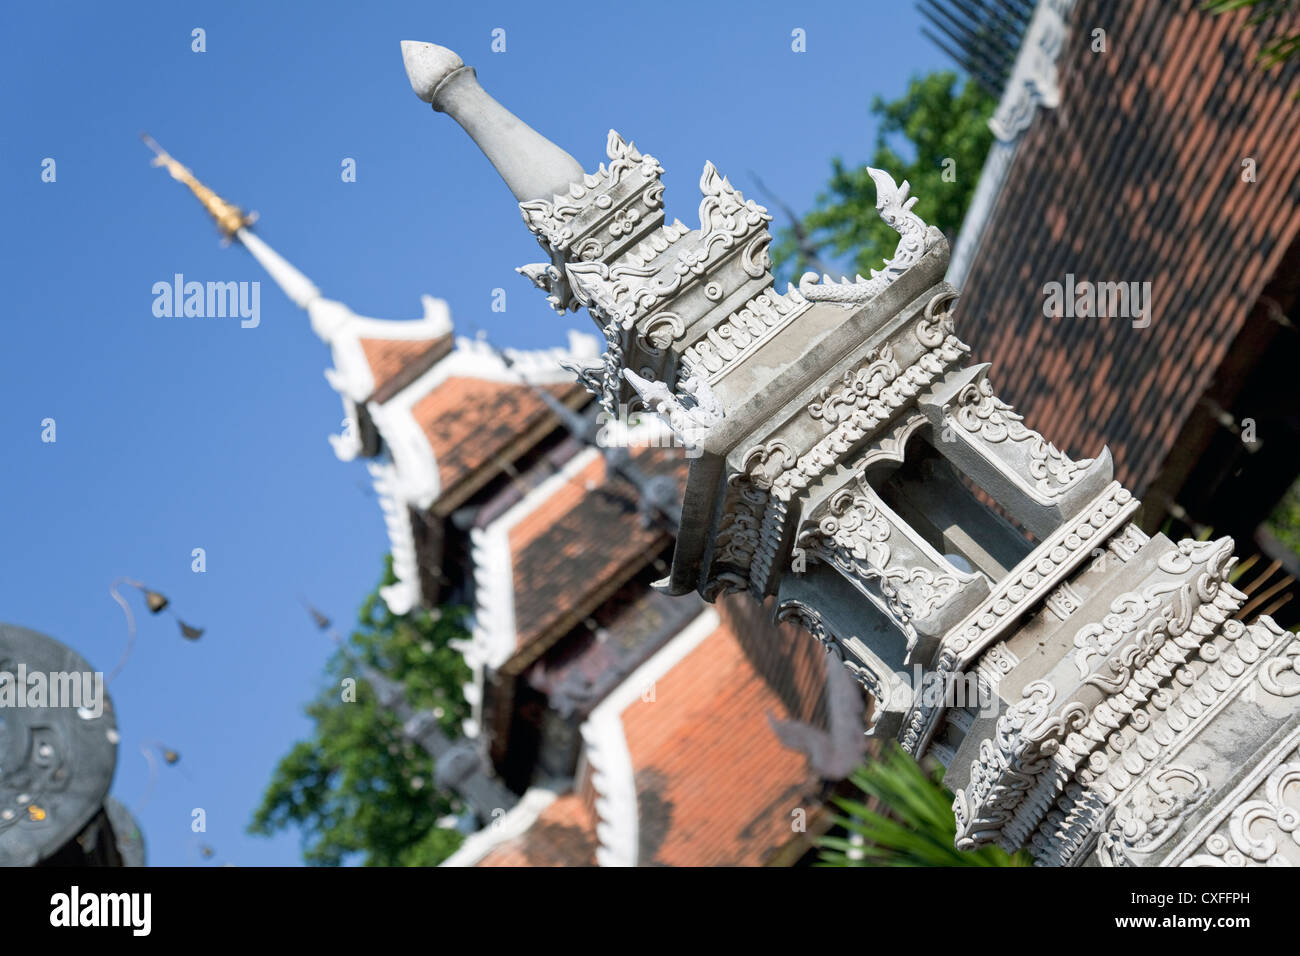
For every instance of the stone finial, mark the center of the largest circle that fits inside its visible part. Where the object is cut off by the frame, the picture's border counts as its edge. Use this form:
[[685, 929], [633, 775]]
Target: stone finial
[[427, 65], [532, 166]]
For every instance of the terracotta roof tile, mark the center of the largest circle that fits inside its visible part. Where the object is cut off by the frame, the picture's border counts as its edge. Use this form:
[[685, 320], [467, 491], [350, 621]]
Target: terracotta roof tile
[[715, 787], [584, 539], [400, 360], [471, 421], [562, 835], [1137, 177]]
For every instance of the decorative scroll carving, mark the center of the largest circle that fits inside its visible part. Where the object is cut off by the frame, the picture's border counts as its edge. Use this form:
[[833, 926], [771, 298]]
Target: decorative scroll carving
[[640, 281], [1096, 640], [862, 414], [980, 412], [1153, 815], [550, 220], [865, 383], [1281, 676], [1258, 828]]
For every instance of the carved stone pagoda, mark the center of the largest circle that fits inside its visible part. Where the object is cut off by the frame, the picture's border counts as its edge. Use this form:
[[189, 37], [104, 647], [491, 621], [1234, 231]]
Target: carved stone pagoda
[[849, 463]]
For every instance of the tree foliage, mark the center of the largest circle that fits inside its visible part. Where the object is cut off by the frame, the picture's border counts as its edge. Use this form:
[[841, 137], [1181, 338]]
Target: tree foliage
[[938, 119], [1284, 522], [914, 825], [1280, 48], [355, 790]]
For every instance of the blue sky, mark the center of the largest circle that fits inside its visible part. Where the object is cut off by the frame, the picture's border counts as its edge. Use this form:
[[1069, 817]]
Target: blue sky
[[179, 433]]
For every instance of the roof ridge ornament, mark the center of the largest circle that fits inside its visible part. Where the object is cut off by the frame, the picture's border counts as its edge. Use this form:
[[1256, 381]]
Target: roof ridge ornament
[[234, 224], [690, 411], [914, 237], [230, 219]]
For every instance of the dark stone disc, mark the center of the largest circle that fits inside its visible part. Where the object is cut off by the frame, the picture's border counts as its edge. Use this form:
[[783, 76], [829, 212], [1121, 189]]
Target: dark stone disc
[[57, 754]]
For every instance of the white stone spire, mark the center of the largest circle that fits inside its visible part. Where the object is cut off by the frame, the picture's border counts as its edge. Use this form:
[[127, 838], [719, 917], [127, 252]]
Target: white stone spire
[[300, 290]]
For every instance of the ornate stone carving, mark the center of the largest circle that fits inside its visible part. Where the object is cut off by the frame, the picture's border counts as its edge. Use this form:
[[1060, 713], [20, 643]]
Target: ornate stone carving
[[1063, 601], [551, 219], [1028, 583], [1259, 829], [1009, 764], [1142, 824], [895, 208], [980, 412], [690, 412], [736, 336], [853, 533], [1111, 689], [643, 278], [865, 383]]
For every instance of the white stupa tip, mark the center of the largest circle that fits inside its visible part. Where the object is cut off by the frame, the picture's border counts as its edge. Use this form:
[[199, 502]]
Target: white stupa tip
[[427, 65]]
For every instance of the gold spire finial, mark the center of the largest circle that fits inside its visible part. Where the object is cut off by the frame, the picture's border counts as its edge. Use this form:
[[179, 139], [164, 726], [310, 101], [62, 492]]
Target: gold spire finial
[[229, 217]]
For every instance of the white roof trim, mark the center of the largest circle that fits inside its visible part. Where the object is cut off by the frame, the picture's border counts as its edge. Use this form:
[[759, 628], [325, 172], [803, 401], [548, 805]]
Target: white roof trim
[[1033, 83], [339, 327], [514, 823], [347, 444], [405, 594], [613, 775], [404, 436], [495, 635], [342, 330]]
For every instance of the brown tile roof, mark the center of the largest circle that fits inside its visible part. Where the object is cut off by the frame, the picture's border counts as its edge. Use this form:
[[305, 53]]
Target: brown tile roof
[[563, 835], [470, 422], [1138, 177], [395, 363], [580, 544], [715, 787], [787, 657]]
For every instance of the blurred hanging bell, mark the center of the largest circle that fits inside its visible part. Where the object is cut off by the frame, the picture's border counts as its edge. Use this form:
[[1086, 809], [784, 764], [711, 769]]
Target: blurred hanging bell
[[155, 600], [171, 756], [322, 622]]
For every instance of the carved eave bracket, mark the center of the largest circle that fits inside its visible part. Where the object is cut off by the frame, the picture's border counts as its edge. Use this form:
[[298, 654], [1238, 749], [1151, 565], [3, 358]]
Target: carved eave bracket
[[868, 644], [1037, 483]]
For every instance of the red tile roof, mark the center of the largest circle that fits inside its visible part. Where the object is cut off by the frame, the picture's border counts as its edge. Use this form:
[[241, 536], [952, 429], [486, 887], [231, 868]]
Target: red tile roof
[[471, 421], [1138, 177], [715, 787], [395, 363], [581, 542], [564, 834]]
